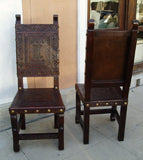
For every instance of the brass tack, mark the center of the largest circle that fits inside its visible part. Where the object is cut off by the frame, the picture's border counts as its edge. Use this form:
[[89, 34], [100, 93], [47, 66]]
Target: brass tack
[[20, 88], [87, 105], [97, 104], [125, 103], [49, 110], [116, 103], [107, 104], [12, 111], [61, 110], [37, 110], [25, 111], [56, 87]]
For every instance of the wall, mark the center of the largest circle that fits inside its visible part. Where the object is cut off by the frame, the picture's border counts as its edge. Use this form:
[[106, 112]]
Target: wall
[[82, 27], [139, 52], [35, 11], [8, 80]]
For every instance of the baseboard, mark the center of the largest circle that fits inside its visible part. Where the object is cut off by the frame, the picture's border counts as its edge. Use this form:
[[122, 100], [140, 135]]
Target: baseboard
[[137, 80]]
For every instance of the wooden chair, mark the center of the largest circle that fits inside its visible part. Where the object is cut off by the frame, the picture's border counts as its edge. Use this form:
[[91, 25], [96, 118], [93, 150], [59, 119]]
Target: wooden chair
[[108, 71], [37, 51]]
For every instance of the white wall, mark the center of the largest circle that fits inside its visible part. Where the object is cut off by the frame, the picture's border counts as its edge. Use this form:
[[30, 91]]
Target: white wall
[[8, 79], [81, 38], [139, 52]]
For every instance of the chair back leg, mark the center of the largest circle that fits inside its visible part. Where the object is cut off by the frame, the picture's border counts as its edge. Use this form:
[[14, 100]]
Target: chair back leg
[[86, 125], [78, 109], [113, 112], [122, 122], [22, 121], [61, 131]]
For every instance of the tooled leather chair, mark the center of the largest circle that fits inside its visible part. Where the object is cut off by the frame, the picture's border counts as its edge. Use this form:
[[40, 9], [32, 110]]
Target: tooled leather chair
[[108, 71], [37, 53]]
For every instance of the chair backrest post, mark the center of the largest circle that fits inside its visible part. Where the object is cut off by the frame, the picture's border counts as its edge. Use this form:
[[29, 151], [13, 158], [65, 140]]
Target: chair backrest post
[[89, 50], [56, 78], [130, 64], [55, 19], [20, 79], [18, 19], [20, 83]]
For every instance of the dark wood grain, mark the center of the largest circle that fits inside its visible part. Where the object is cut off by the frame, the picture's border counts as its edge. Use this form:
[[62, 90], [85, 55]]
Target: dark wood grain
[[131, 14], [108, 71], [37, 53]]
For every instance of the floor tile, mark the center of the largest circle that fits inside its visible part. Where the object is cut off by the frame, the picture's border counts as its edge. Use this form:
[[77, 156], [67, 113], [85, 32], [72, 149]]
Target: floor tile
[[6, 149], [103, 143], [110, 150]]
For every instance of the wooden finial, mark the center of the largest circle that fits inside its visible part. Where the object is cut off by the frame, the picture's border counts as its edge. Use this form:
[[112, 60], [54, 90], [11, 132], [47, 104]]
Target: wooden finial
[[135, 24], [18, 19], [91, 24], [55, 19]]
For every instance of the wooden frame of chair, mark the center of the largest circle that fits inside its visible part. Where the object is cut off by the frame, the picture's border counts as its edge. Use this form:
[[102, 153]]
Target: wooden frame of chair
[[98, 84], [37, 50]]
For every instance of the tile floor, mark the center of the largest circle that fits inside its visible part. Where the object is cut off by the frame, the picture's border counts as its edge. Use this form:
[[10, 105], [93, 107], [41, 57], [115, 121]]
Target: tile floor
[[103, 135]]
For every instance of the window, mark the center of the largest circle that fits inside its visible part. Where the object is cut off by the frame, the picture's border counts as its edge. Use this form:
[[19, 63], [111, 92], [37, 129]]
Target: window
[[107, 13]]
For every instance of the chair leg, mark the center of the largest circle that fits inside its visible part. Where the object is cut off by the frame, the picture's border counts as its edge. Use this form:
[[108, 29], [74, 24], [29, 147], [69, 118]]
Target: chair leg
[[86, 125], [22, 119], [56, 117], [14, 125], [112, 115], [61, 131], [122, 122], [77, 116]]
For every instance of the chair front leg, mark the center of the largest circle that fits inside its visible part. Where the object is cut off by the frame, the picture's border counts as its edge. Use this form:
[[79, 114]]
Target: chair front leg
[[112, 115], [122, 123], [15, 131], [86, 124], [61, 131], [78, 109]]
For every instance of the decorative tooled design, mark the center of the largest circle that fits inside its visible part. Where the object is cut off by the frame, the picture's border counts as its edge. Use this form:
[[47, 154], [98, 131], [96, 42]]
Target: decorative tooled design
[[37, 50], [36, 28]]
